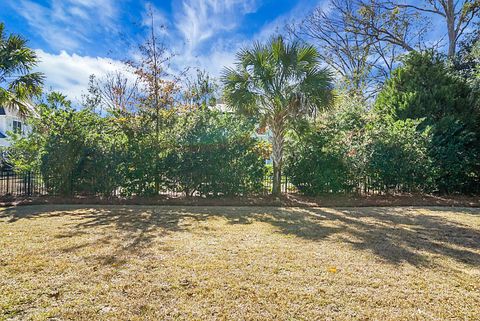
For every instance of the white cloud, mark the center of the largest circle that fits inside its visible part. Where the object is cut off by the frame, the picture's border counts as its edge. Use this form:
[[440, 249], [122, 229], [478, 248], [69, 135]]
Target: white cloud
[[194, 22], [70, 74], [198, 20], [213, 62], [66, 24], [223, 51], [204, 22]]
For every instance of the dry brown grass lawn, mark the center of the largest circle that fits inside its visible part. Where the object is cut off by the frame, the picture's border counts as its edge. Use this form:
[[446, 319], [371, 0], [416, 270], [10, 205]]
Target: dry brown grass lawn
[[239, 263]]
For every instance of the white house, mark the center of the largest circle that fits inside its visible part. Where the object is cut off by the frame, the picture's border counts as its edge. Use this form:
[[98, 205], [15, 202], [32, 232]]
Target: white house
[[10, 121]]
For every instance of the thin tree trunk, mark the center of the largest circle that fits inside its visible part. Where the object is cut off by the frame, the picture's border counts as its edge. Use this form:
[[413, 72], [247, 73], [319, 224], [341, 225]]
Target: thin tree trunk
[[452, 34], [277, 179], [157, 107]]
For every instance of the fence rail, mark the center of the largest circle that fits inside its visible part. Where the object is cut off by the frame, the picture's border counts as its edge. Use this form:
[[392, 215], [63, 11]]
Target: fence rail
[[26, 184], [21, 184]]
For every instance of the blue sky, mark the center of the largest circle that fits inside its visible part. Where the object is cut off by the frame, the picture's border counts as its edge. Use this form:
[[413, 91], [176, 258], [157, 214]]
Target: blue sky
[[75, 38]]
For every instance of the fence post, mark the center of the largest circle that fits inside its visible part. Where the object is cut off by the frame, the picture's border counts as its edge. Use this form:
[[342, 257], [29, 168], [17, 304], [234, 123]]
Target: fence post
[[29, 182], [70, 184]]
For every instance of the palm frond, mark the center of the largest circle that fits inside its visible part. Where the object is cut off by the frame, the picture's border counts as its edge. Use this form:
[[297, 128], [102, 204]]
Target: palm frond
[[236, 91], [279, 77], [12, 102], [16, 63]]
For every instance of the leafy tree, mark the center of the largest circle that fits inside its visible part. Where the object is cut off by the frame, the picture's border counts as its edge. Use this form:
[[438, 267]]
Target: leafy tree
[[143, 151], [397, 156], [73, 160], [18, 84], [279, 82], [354, 149], [26, 149], [158, 91], [424, 87], [468, 54], [314, 166], [201, 90], [455, 150], [76, 151], [467, 62]]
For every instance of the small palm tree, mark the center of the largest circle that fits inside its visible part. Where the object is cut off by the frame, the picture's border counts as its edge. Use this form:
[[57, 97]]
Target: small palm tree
[[280, 82], [17, 83]]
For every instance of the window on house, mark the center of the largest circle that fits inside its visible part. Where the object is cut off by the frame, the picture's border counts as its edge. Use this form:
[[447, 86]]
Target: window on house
[[17, 127]]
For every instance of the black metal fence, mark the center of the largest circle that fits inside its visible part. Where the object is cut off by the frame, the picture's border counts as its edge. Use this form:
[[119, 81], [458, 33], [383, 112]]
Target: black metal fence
[[31, 184], [26, 184], [21, 184]]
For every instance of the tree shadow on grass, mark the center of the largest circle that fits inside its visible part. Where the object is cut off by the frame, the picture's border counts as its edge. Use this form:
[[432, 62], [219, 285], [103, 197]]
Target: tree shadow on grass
[[406, 235], [395, 235]]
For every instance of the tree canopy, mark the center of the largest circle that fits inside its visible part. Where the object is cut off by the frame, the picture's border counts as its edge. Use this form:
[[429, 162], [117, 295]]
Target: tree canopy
[[278, 82]]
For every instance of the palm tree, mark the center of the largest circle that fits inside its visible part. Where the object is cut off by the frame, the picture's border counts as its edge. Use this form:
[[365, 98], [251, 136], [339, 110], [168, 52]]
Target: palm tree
[[280, 82], [17, 83]]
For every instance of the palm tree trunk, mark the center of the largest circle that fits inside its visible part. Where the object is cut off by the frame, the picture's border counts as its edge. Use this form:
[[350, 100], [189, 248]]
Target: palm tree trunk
[[277, 157], [277, 179]]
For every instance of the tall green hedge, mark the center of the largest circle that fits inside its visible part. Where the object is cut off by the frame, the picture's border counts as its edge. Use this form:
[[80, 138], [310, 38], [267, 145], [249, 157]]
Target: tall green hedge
[[214, 154]]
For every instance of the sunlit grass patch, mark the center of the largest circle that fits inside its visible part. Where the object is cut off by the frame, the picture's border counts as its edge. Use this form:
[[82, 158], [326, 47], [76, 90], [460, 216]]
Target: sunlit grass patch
[[110, 262]]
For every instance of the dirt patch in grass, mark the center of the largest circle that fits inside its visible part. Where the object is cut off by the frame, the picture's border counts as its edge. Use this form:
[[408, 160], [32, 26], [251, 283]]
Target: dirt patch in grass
[[238, 263]]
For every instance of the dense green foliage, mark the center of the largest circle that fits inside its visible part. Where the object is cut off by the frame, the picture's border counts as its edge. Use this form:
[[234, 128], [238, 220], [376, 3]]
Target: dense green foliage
[[214, 154], [421, 133], [396, 157], [74, 150], [455, 152], [327, 172], [351, 150], [200, 152], [423, 87]]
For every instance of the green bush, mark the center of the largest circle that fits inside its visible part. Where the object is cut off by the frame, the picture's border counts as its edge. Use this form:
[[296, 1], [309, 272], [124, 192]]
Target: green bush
[[422, 135], [425, 88], [214, 154], [315, 168], [455, 151], [140, 166], [354, 149], [397, 157], [74, 150], [77, 158]]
